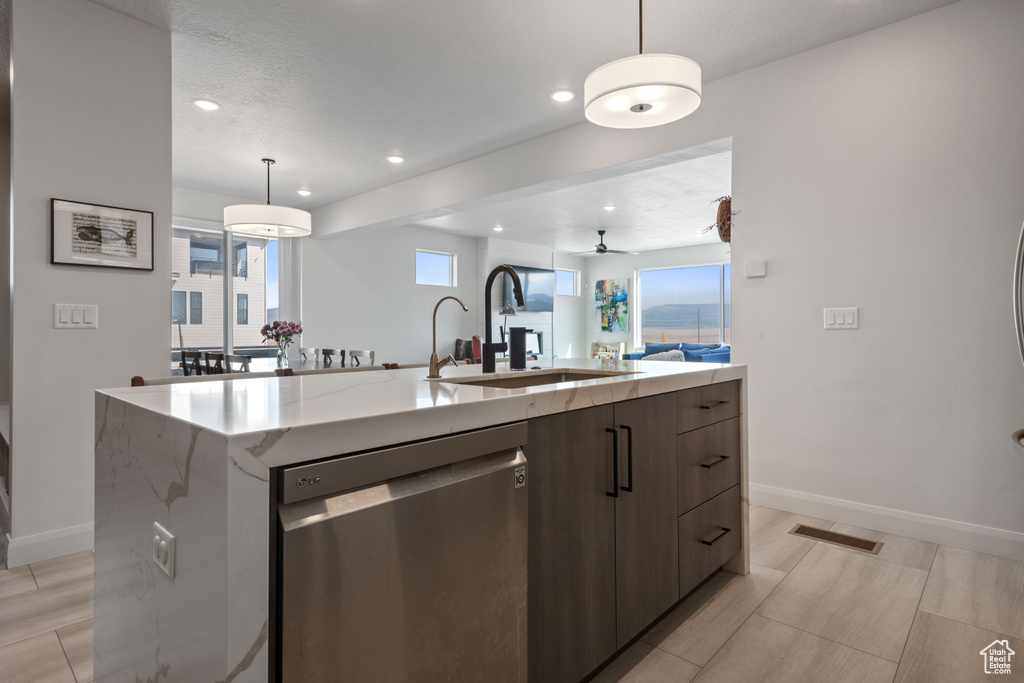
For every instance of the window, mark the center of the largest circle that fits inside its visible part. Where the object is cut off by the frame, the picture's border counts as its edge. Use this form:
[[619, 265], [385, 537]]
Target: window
[[243, 309], [178, 307], [435, 268], [204, 255], [567, 282], [195, 316], [240, 263], [688, 304]]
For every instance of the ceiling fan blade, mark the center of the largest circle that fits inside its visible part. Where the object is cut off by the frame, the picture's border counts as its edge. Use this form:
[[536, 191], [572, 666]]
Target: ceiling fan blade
[[582, 253], [616, 251]]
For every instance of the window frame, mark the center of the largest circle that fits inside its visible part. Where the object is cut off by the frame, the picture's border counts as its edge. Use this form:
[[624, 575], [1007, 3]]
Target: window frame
[[638, 335], [576, 279], [183, 318], [239, 298], [453, 268], [194, 296]]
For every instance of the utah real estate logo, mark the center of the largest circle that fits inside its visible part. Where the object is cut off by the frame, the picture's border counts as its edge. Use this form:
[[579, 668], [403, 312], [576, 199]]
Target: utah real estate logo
[[997, 657]]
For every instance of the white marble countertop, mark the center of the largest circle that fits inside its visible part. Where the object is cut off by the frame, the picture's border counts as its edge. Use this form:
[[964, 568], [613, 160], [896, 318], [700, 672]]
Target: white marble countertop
[[347, 412]]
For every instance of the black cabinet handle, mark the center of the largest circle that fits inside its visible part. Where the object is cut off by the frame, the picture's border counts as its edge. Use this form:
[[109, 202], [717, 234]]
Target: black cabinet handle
[[615, 462], [716, 404], [719, 461], [723, 532], [629, 458]]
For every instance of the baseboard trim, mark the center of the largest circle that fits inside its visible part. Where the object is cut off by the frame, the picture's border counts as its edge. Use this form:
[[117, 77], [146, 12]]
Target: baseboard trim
[[45, 546], [982, 539], [5, 512]]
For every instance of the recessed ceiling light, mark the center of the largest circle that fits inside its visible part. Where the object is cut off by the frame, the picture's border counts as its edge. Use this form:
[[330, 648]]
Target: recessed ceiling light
[[498, 228], [208, 105], [609, 207], [395, 159], [563, 95], [304, 193]]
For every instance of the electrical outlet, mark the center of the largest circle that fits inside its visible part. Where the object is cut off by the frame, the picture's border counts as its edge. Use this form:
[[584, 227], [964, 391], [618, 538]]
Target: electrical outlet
[[163, 549]]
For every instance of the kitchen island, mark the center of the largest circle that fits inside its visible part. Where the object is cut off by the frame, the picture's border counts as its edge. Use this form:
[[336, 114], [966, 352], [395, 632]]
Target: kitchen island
[[200, 459]]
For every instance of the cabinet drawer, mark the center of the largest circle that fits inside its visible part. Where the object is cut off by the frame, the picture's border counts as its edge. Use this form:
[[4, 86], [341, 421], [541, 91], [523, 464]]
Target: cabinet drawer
[[708, 462], [704, 543], [706, 405]]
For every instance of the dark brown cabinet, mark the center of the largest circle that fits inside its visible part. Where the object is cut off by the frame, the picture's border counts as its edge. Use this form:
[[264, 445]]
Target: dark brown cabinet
[[571, 582], [603, 542], [646, 556]]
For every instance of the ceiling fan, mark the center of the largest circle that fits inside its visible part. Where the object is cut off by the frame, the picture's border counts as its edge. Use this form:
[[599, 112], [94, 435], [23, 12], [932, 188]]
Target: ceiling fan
[[600, 248]]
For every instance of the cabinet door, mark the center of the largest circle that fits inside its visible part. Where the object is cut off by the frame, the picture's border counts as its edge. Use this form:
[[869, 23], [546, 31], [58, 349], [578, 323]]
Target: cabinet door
[[646, 533], [571, 545]]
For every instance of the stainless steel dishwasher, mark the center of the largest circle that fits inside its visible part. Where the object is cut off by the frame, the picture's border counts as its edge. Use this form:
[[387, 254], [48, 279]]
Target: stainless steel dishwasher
[[406, 564]]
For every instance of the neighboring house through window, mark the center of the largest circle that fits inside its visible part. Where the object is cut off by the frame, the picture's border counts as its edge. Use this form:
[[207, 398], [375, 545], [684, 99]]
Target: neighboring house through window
[[243, 309]]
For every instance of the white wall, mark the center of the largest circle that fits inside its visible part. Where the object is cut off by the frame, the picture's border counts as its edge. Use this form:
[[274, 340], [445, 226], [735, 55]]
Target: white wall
[[360, 292], [571, 312], [204, 206], [91, 121], [624, 266], [882, 171]]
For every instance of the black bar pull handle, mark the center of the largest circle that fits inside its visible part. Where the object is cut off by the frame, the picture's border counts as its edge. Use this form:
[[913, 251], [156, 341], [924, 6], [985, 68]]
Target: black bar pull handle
[[629, 458], [720, 459], [615, 462], [714, 404], [723, 532]]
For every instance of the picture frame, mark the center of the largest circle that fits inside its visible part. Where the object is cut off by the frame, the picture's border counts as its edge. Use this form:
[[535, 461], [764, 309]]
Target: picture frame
[[87, 234], [611, 305]]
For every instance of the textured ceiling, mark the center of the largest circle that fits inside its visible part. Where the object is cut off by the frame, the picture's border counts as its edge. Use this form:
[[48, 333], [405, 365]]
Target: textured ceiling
[[330, 87], [654, 208]]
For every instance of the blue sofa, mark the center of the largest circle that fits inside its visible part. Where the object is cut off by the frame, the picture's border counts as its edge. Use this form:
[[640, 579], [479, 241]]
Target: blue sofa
[[693, 353]]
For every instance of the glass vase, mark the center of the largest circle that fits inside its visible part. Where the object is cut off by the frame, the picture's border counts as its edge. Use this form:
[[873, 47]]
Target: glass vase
[[282, 357]]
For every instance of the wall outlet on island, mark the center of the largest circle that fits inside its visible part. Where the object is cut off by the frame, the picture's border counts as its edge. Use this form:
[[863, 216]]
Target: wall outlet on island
[[163, 549]]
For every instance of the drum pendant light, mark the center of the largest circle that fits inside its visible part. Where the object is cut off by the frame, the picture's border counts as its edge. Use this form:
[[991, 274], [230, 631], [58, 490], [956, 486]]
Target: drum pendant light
[[267, 220], [642, 91]]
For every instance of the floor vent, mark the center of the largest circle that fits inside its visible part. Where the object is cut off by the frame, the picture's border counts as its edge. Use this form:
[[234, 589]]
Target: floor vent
[[837, 539]]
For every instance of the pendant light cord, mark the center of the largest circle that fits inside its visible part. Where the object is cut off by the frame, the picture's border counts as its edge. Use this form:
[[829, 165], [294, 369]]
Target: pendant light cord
[[641, 26], [268, 162]]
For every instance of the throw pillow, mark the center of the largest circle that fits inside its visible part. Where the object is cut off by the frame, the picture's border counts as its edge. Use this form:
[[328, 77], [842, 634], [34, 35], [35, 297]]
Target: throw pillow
[[674, 354], [659, 347]]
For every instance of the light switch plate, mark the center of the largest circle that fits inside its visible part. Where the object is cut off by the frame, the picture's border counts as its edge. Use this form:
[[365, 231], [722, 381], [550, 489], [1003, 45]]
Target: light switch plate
[[76, 316], [755, 269], [842, 318], [163, 549]]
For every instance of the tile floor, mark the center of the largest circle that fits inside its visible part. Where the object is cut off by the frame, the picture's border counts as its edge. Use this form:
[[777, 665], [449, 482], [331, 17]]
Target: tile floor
[[808, 611]]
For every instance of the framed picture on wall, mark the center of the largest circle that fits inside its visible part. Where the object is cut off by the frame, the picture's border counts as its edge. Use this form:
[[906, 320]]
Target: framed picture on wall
[[611, 305], [96, 235]]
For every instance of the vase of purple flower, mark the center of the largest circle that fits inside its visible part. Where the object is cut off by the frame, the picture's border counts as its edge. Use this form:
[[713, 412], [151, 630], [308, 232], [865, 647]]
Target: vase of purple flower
[[281, 333]]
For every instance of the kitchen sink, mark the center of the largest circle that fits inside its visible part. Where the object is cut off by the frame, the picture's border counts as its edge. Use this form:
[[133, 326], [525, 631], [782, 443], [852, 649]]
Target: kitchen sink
[[527, 378]]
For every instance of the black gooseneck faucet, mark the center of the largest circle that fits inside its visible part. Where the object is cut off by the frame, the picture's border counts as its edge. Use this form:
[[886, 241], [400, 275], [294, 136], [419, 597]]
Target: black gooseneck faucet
[[489, 348]]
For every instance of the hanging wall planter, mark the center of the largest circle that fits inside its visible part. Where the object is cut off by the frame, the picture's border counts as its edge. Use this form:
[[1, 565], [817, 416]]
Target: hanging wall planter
[[724, 220]]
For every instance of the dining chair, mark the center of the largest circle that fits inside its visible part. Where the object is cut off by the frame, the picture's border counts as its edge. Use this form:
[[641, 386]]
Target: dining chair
[[226, 364], [307, 352], [234, 363], [331, 355], [356, 354], [190, 363]]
